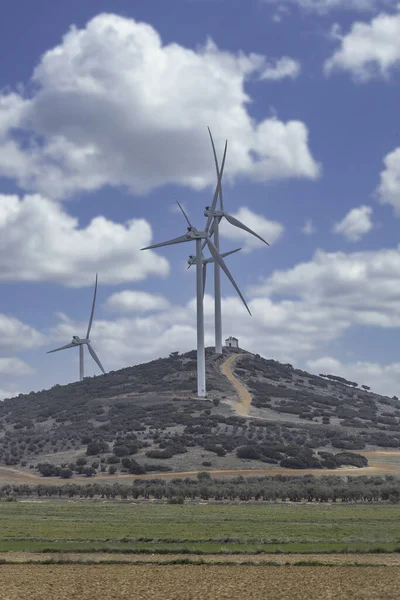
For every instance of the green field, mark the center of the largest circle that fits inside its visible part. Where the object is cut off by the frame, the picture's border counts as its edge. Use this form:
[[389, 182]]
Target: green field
[[198, 528]]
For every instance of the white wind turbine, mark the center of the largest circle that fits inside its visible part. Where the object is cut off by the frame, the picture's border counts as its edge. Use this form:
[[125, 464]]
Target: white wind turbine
[[80, 343], [206, 261], [214, 217], [193, 234]]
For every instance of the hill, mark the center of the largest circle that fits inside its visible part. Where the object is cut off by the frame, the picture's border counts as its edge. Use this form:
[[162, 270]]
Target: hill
[[147, 418]]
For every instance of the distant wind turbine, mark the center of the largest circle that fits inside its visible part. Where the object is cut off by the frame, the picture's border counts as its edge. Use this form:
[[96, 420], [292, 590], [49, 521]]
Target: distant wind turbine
[[214, 217], [79, 342], [193, 234]]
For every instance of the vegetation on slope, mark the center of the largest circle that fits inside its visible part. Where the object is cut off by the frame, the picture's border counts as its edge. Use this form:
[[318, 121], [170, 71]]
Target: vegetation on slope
[[147, 419]]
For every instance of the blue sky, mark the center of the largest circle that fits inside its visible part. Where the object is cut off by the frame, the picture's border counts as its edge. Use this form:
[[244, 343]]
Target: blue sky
[[103, 126]]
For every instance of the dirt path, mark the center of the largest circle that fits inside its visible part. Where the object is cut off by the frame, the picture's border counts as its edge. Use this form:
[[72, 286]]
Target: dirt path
[[389, 560], [243, 407], [375, 468]]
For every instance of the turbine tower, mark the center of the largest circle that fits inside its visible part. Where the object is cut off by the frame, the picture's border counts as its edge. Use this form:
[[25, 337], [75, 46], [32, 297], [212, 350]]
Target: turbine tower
[[193, 234], [206, 261], [214, 217], [80, 343]]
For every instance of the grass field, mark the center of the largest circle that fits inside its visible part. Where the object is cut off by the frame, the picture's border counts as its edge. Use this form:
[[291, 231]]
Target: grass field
[[198, 528], [193, 551]]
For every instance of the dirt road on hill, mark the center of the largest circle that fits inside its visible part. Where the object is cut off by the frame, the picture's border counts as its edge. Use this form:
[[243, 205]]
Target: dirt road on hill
[[243, 407]]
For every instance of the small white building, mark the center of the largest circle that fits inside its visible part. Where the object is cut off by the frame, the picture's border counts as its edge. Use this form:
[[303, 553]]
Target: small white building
[[232, 342]]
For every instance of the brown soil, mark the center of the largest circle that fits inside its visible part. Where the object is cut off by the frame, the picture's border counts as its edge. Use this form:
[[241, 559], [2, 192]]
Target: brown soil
[[243, 407], [105, 582]]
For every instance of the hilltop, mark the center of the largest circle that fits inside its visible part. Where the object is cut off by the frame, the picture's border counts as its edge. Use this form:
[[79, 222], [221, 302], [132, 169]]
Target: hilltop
[[147, 418]]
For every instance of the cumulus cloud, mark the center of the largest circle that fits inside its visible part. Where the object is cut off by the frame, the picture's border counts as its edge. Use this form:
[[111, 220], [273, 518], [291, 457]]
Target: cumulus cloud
[[360, 288], [16, 336], [355, 224], [389, 187], [271, 231], [284, 330], [323, 7], [369, 50], [39, 241], [297, 314], [113, 105], [383, 379], [284, 67], [136, 301], [14, 366], [308, 227]]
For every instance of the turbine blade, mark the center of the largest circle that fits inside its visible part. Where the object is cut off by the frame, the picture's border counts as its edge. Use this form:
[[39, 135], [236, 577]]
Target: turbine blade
[[214, 202], [178, 240], [211, 260], [184, 214], [216, 168], [92, 312], [95, 357], [63, 348], [204, 277], [230, 252], [220, 261], [237, 223]]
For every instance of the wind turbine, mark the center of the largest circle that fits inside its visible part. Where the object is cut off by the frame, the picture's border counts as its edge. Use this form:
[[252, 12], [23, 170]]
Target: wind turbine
[[193, 234], [214, 217], [207, 261], [80, 343]]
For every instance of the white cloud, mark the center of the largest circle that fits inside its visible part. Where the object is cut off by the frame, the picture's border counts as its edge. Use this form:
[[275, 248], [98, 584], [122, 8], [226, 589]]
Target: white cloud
[[355, 224], [308, 227], [359, 288], [323, 7], [283, 330], [383, 379], [112, 105], [284, 67], [14, 366], [7, 393], [271, 231], [389, 187], [328, 295], [39, 241], [136, 301], [369, 50], [16, 336]]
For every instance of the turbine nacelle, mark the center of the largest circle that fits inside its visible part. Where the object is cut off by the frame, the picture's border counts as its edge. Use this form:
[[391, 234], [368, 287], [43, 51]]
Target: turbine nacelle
[[209, 212], [77, 341]]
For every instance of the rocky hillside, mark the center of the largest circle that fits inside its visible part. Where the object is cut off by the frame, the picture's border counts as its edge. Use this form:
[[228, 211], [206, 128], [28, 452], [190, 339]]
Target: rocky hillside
[[147, 418]]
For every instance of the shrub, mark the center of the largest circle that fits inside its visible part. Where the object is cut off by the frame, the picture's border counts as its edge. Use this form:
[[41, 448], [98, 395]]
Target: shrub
[[93, 448], [159, 454], [247, 452], [113, 460], [176, 500]]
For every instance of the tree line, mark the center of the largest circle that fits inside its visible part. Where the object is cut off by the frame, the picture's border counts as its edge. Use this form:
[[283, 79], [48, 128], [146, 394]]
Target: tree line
[[281, 488]]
